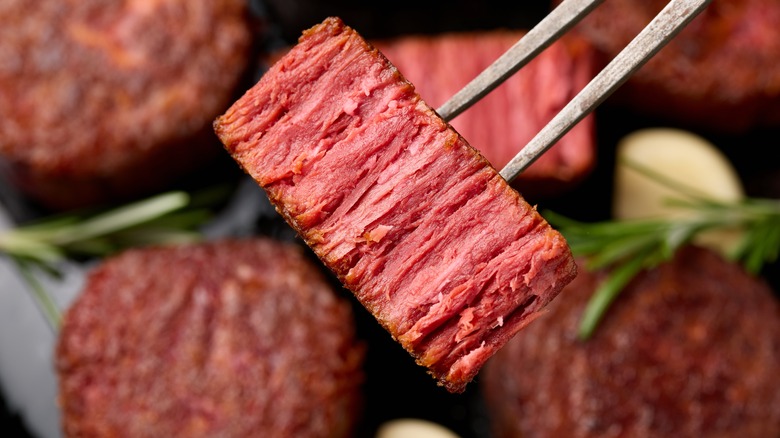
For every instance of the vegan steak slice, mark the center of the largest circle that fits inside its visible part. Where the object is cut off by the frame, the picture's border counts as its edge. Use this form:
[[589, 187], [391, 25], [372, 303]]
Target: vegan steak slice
[[504, 121], [415, 222]]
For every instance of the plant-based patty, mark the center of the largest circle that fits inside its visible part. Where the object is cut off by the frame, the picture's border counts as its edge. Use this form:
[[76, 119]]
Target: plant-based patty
[[690, 349], [229, 338], [103, 101], [720, 73]]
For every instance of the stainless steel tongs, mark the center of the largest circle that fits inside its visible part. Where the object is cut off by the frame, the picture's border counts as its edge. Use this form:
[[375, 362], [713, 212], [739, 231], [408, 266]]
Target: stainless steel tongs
[[673, 18]]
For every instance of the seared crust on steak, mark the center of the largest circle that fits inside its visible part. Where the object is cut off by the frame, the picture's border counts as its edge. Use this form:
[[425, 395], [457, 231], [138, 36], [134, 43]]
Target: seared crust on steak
[[104, 101], [228, 339], [690, 349]]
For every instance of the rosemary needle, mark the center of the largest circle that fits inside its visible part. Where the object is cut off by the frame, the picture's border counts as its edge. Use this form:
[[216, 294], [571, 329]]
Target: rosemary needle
[[161, 219], [625, 248]]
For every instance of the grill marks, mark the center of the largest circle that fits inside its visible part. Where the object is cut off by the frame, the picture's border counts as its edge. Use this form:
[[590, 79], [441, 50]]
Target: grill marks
[[430, 239]]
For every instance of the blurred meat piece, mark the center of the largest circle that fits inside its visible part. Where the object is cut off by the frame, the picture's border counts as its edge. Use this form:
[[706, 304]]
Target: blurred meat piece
[[447, 257], [504, 121], [228, 339], [720, 73], [104, 101], [690, 349]]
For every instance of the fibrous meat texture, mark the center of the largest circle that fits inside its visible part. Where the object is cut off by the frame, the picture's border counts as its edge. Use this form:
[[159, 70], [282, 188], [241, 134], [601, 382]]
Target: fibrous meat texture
[[410, 218]]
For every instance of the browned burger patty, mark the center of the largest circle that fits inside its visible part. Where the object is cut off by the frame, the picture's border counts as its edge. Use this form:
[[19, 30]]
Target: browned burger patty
[[226, 339], [721, 72], [104, 100], [691, 349]]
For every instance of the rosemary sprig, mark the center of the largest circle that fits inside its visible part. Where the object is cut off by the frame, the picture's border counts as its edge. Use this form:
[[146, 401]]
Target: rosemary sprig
[[41, 246], [626, 248]]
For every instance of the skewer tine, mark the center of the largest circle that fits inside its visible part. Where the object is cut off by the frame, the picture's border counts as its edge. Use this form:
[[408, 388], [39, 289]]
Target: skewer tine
[[673, 18], [555, 24]]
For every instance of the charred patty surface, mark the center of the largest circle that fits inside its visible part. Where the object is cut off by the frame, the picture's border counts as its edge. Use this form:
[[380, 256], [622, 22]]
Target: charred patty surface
[[720, 73], [106, 100], [231, 338], [691, 349]]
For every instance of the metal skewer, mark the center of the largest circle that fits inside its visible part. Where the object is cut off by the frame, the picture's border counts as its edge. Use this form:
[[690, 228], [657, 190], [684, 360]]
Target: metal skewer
[[555, 24], [668, 23]]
